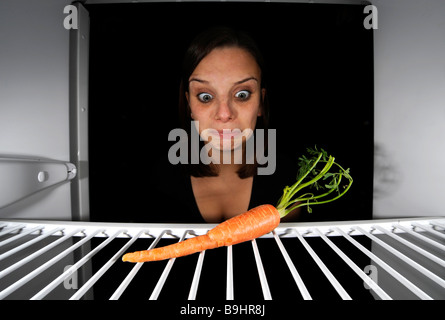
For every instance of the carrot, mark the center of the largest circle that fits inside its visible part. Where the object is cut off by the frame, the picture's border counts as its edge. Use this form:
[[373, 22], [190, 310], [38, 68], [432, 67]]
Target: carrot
[[265, 218], [247, 226]]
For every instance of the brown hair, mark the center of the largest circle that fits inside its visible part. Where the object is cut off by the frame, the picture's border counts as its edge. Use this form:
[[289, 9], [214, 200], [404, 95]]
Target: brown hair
[[200, 47]]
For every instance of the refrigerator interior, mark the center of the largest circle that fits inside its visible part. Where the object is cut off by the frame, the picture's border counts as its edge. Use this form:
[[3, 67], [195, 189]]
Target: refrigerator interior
[[337, 253]]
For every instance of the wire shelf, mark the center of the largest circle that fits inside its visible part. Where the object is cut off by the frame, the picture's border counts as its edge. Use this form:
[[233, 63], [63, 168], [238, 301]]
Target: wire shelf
[[373, 259]]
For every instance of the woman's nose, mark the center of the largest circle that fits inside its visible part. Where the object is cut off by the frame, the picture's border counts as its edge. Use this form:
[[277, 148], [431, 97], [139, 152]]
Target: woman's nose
[[224, 111]]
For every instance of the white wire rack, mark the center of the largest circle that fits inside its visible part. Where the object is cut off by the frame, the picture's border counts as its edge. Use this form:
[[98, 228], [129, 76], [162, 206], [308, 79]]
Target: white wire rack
[[375, 259]]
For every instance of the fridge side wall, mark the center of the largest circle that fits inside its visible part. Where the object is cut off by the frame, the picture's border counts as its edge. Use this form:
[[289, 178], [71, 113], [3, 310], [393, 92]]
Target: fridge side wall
[[409, 46], [34, 97]]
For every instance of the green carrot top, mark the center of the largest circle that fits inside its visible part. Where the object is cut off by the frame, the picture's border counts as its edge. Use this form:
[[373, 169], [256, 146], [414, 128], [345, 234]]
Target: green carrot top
[[319, 173]]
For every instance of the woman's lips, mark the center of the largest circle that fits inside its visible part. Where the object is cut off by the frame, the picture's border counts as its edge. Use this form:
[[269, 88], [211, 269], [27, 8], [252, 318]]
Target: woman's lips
[[228, 133], [233, 135]]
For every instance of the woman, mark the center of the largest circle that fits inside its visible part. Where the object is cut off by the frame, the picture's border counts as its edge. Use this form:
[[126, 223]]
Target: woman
[[222, 92]]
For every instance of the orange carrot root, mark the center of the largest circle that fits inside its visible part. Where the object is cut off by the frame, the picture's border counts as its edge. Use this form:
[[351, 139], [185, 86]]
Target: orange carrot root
[[244, 227], [183, 248]]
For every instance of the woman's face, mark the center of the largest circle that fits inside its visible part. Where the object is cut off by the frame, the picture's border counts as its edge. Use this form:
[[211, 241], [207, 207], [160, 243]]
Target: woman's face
[[225, 95]]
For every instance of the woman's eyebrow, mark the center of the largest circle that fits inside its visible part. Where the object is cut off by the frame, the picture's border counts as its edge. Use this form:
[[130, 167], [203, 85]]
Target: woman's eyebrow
[[198, 80], [247, 79], [238, 82]]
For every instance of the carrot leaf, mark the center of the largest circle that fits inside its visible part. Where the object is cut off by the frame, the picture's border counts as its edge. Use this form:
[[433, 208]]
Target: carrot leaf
[[317, 172]]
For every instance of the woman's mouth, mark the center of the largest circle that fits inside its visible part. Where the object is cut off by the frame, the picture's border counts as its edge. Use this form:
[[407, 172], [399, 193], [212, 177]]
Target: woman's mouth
[[226, 134]]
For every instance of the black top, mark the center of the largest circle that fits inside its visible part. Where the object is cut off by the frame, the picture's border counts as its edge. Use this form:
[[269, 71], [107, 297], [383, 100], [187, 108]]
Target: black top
[[179, 204]]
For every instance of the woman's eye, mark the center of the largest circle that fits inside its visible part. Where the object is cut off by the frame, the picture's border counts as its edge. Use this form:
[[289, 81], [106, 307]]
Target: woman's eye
[[243, 94], [205, 97]]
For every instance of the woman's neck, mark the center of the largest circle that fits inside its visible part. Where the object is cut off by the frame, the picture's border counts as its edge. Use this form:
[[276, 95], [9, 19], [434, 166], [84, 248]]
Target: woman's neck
[[228, 169]]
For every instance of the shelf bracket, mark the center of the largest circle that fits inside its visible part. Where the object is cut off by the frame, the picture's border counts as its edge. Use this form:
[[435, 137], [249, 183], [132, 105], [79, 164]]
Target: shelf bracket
[[22, 177]]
